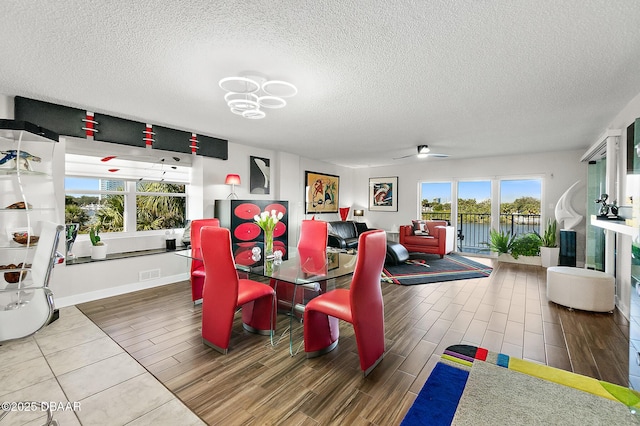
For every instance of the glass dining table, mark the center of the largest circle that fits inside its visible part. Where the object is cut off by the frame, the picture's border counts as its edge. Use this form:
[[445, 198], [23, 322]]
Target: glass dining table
[[303, 274]]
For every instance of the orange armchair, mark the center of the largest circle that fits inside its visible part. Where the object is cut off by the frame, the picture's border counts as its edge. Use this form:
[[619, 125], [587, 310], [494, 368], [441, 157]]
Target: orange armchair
[[197, 267], [224, 293], [361, 305], [440, 238]]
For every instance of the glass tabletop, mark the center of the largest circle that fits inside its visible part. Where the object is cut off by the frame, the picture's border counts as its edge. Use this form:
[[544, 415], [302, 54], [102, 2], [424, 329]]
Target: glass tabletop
[[297, 266]]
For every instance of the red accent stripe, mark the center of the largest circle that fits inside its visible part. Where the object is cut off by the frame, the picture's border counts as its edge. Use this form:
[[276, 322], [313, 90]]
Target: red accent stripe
[[194, 143], [111, 157], [89, 124], [148, 137], [481, 354]]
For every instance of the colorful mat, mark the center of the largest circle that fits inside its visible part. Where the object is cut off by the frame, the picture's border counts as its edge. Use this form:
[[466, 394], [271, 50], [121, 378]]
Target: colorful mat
[[427, 269], [471, 386]]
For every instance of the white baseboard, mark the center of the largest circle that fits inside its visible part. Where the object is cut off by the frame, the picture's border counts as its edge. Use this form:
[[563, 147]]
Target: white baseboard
[[115, 291]]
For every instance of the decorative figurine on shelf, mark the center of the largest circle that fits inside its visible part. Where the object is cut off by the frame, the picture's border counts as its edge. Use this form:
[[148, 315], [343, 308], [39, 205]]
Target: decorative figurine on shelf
[[70, 238], [609, 211], [603, 207], [23, 163]]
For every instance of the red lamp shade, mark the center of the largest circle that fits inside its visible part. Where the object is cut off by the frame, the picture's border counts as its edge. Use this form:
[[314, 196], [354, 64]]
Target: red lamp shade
[[344, 212], [232, 179]]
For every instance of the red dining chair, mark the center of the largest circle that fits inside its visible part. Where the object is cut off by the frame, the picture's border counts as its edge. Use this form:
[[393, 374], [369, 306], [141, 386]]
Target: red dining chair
[[197, 267], [312, 243], [361, 305], [224, 293]]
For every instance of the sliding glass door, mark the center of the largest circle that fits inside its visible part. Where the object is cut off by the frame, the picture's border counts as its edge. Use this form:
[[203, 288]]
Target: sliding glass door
[[468, 205], [435, 200], [474, 216], [595, 236], [520, 205]]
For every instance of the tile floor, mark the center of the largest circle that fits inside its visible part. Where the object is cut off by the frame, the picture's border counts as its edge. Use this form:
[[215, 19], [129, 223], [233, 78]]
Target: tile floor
[[73, 361]]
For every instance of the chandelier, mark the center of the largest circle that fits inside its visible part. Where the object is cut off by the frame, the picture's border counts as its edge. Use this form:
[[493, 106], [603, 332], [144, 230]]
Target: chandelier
[[246, 96]]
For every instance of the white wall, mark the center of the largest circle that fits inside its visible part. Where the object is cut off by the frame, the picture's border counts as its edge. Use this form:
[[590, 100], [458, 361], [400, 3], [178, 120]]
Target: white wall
[[72, 284], [559, 170], [287, 177]]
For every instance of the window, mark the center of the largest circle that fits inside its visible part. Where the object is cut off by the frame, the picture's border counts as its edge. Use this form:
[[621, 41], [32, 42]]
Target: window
[[86, 196], [435, 200], [141, 201], [160, 205], [474, 210], [520, 205]]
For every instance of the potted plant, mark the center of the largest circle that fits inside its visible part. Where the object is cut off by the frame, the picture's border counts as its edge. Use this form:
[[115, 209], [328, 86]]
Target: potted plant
[[98, 247], [515, 249], [500, 241], [528, 247], [549, 250]]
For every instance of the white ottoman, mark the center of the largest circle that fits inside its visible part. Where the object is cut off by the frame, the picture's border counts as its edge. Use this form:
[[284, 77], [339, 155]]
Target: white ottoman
[[579, 288]]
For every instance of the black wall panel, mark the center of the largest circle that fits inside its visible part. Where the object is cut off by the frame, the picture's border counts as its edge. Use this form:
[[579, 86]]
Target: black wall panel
[[61, 119], [213, 147], [172, 140], [67, 121], [119, 130]]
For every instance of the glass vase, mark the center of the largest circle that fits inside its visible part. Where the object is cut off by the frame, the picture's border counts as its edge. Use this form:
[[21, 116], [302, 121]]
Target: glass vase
[[268, 243]]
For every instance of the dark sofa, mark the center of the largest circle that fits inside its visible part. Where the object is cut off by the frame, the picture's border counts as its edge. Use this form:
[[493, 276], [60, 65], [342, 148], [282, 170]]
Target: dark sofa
[[344, 234]]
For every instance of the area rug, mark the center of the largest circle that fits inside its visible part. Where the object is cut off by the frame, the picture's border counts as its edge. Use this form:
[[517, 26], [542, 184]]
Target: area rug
[[473, 386], [427, 269]]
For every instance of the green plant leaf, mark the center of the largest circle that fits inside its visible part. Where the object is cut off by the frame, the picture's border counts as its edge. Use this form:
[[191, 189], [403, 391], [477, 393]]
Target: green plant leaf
[[500, 241], [526, 245]]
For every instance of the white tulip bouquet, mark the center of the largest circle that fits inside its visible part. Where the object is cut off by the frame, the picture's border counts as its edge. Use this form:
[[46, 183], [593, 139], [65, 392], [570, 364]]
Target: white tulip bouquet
[[268, 221]]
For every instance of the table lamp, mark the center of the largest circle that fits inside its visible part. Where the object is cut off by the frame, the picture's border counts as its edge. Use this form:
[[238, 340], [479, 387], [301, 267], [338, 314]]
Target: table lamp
[[233, 180]]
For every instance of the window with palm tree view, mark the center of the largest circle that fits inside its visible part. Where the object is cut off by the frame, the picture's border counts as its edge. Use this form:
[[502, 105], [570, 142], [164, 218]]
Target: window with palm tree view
[[124, 205]]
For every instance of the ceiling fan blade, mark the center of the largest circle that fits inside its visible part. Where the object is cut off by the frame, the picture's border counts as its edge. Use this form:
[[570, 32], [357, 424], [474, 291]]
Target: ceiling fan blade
[[406, 156], [424, 156]]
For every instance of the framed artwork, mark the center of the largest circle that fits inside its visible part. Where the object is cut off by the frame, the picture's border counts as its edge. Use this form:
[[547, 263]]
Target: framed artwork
[[321, 192], [259, 175], [383, 194]]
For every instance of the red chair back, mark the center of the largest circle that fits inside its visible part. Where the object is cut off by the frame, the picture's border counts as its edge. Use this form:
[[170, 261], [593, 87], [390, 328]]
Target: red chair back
[[313, 235], [196, 245], [312, 246], [366, 293], [220, 293], [196, 226]]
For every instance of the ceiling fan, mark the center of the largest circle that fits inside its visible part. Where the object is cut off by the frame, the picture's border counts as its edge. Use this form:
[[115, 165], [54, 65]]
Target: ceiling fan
[[424, 152]]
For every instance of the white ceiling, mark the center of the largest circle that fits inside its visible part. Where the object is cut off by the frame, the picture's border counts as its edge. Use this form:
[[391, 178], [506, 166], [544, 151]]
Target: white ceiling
[[375, 78]]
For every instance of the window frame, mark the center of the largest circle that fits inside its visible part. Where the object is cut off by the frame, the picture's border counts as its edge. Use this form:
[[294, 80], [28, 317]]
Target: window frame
[[496, 184], [130, 193]]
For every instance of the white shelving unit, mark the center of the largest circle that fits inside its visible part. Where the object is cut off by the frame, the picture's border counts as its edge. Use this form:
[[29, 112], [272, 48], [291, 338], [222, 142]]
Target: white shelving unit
[[616, 226], [27, 189]]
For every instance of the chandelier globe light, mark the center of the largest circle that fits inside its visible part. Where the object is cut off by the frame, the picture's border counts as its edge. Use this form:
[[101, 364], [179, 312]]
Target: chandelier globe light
[[247, 96]]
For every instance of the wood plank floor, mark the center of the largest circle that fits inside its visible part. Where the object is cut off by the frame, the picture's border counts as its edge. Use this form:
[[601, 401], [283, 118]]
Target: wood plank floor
[[256, 383]]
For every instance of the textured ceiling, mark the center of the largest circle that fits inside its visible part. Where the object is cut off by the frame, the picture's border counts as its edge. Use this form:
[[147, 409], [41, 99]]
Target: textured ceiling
[[376, 78]]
